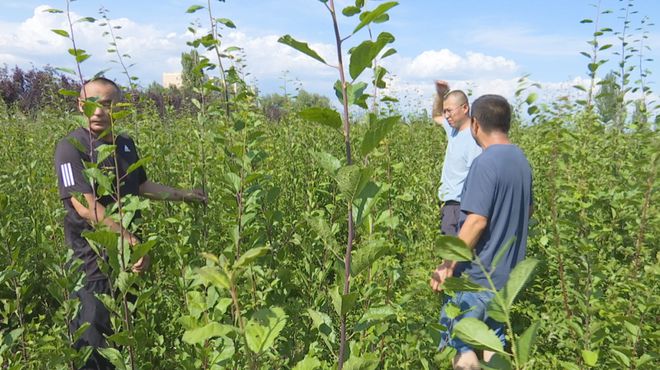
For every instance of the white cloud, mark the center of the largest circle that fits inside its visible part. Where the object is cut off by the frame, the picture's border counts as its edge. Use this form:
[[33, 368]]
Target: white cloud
[[446, 64], [267, 58], [153, 50]]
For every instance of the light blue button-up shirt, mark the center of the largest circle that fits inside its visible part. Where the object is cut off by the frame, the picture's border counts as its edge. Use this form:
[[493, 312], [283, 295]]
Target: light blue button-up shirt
[[462, 149]]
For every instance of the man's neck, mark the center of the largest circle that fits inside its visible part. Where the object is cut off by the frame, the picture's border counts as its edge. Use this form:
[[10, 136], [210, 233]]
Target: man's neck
[[106, 139], [495, 139], [462, 125]]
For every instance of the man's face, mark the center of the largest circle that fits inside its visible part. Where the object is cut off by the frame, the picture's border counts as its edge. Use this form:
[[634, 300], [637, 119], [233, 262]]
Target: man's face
[[105, 95], [455, 112]]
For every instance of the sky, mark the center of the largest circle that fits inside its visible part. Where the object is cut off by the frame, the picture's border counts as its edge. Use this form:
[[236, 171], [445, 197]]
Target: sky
[[481, 46]]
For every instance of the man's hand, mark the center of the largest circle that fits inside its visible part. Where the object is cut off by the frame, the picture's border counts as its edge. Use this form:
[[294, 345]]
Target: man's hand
[[441, 273], [196, 195], [142, 264], [441, 87]]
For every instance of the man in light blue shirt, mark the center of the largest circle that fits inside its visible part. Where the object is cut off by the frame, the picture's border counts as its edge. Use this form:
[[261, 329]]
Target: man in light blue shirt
[[451, 110]]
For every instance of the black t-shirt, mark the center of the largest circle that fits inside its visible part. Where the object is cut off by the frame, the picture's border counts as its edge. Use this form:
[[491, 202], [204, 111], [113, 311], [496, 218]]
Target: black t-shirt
[[70, 155]]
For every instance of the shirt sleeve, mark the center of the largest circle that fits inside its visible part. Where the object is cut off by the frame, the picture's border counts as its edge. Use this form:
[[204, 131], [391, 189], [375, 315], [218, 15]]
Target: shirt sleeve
[[479, 190], [69, 169]]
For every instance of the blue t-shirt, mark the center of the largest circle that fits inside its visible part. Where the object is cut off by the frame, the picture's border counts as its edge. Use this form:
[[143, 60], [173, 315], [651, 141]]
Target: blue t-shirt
[[461, 151], [499, 187]]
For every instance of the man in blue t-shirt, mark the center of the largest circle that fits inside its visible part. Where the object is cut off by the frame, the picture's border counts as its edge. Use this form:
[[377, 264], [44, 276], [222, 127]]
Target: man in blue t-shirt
[[450, 109], [495, 210]]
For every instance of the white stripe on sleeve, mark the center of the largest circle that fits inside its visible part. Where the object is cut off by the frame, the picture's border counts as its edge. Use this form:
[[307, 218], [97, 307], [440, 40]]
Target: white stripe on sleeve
[[67, 175]]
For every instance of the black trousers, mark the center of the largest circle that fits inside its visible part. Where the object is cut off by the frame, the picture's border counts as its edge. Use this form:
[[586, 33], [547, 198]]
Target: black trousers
[[451, 214], [94, 312]]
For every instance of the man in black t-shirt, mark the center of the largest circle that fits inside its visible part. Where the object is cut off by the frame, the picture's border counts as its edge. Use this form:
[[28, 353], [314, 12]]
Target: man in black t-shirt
[[79, 146]]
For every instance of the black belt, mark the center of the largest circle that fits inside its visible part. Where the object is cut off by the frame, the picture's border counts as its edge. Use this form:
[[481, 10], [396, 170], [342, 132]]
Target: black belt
[[452, 203]]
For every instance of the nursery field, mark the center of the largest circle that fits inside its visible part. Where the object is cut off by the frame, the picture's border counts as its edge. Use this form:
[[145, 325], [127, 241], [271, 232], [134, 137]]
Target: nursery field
[[595, 231]]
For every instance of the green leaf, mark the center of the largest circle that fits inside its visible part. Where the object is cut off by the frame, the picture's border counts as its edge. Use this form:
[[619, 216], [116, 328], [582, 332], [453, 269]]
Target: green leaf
[[497, 362], [373, 316], [324, 116], [622, 358], [365, 256], [388, 53], [114, 356], [104, 151], [453, 311], [86, 19], [81, 58], [227, 22], [327, 161], [496, 309], [301, 47], [368, 361], [453, 249], [476, 333], [53, 11], [352, 179], [590, 358], [531, 98], [361, 58], [263, 328], [382, 19], [354, 93], [89, 107], [520, 275], [525, 342], [80, 331], [122, 338], [308, 363], [249, 256], [4, 201], [139, 163], [142, 249], [210, 330], [319, 318], [363, 55], [455, 284], [69, 92], [215, 276], [347, 302], [194, 8], [62, 33], [106, 239], [374, 14], [376, 132], [95, 174], [350, 11]]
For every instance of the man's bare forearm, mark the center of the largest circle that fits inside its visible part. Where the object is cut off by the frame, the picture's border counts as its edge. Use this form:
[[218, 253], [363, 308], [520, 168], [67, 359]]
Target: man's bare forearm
[[156, 191], [94, 212], [438, 106], [470, 232]]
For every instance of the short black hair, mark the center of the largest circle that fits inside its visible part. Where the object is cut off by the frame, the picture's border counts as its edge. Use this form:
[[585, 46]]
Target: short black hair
[[493, 113], [105, 81], [458, 95]]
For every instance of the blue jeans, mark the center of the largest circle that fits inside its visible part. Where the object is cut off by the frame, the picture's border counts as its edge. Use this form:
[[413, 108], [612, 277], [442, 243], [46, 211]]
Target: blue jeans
[[476, 303]]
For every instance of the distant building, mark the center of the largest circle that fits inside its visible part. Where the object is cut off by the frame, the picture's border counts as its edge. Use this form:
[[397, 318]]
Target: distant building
[[172, 79]]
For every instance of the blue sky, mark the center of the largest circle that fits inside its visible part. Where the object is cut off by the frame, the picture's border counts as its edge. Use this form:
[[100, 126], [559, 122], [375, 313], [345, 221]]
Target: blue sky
[[479, 45]]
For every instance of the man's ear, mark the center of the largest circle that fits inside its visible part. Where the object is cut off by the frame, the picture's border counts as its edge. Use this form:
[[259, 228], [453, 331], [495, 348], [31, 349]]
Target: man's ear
[[80, 104], [474, 126]]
